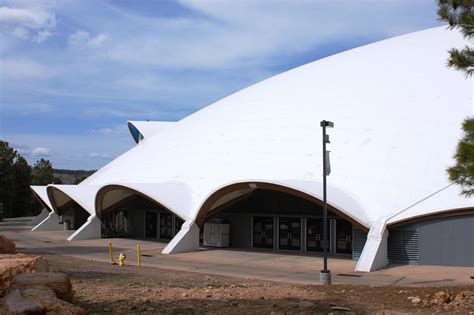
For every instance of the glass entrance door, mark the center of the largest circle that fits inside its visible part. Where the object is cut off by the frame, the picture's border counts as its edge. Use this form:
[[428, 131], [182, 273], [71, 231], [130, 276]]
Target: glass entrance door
[[290, 233], [166, 225], [177, 225], [262, 232], [150, 224], [314, 235], [343, 237]]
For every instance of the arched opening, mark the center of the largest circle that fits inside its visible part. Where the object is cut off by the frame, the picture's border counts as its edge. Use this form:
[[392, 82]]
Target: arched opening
[[441, 238], [136, 134], [71, 213], [274, 217], [125, 212]]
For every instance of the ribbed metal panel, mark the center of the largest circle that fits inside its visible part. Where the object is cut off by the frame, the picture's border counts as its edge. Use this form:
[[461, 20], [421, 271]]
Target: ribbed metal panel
[[359, 238], [403, 246]]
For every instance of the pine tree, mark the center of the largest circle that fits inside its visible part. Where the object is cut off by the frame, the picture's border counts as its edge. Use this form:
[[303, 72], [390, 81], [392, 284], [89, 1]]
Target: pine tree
[[463, 172], [42, 173], [22, 197], [7, 158], [460, 15]]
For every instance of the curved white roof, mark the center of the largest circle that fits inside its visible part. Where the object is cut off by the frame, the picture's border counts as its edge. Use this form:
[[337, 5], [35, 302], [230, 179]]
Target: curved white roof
[[397, 111], [146, 128]]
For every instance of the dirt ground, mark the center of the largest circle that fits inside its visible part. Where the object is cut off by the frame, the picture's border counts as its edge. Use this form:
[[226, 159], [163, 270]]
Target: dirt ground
[[104, 288]]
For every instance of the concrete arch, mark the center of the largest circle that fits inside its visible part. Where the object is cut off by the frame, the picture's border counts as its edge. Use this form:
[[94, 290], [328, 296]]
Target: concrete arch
[[41, 195], [60, 199], [213, 203], [433, 215], [114, 195]]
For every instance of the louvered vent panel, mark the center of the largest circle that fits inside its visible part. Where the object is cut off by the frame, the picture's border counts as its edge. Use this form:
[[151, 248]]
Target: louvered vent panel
[[359, 239], [403, 246]]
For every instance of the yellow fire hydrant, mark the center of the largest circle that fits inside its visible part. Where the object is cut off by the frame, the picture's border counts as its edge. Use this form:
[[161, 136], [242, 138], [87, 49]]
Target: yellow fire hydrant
[[121, 259]]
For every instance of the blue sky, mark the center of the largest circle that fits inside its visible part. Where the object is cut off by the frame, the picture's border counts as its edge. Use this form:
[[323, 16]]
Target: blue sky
[[73, 72]]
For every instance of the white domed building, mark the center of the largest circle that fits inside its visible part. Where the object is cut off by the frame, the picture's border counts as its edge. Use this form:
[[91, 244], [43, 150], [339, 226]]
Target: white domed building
[[252, 162]]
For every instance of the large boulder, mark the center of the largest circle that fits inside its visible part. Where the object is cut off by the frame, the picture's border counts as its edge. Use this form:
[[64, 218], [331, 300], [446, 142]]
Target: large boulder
[[16, 302], [36, 300], [12, 265], [58, 282], [6, 246]]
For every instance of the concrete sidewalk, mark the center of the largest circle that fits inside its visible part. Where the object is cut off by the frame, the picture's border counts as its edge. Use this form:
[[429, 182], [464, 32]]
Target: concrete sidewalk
[[275, 266]]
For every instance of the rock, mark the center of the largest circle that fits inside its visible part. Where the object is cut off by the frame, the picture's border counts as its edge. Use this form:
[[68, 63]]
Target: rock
[[440, 298], [340, 308], [52, 305], [463, 297], [58, 282], [6, 246], [16, 302], [306, 304], [184, 295], [261, 298], [416, 300], [12, 265]]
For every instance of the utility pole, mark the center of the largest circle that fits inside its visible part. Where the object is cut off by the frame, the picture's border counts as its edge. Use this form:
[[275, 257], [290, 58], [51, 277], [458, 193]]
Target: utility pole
[[325, 274]]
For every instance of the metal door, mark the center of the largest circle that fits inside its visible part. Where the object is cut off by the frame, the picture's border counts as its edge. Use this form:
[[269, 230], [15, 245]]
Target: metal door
[[150, 224], [262, 232], [289, 233], [314, 235], [343, 237], [166, 225]]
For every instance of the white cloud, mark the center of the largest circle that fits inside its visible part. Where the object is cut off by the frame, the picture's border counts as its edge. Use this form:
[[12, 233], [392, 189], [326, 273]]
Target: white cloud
[[21, 33], [251, 33], [98, 40], [96, 155], [84, 39], [41, 151], [41, 36], [21, 69], [19, 22], [115, 131]]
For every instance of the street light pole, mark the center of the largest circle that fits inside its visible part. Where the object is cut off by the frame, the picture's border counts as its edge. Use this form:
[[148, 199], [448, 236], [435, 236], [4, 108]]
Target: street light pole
[[325, 274]]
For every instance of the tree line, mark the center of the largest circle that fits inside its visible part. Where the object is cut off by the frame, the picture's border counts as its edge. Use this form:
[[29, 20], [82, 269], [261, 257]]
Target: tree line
[[16, 176]]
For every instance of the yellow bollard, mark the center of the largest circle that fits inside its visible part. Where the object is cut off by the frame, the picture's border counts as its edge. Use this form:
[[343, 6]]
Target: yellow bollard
[[139, 256], [121, 259], [111, 253]]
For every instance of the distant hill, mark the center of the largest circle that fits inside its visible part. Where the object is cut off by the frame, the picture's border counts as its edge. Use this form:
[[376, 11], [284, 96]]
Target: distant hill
[[72, 176]]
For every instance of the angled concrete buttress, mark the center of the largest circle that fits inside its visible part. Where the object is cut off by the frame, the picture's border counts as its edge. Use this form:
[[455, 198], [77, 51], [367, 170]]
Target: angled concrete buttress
[[374, 254], [51, 223], [89, 230], [187, 239]]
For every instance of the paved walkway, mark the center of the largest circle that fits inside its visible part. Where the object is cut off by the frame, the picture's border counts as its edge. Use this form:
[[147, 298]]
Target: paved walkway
[[276, 266]]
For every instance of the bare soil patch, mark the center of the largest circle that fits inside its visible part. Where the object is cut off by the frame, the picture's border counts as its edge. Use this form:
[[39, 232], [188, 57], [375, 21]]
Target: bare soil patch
[[104, 288]]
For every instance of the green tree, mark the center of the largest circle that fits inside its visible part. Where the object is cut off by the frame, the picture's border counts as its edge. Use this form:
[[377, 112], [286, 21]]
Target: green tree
[[42, 172], [7, 159], [463, 172], [460, 15], [22, 196]]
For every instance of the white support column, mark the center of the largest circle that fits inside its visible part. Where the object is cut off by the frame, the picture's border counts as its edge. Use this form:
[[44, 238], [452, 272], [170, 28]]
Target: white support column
[[187, 239], [51, 223], [374, 254], [88, 231], [40, 217]]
